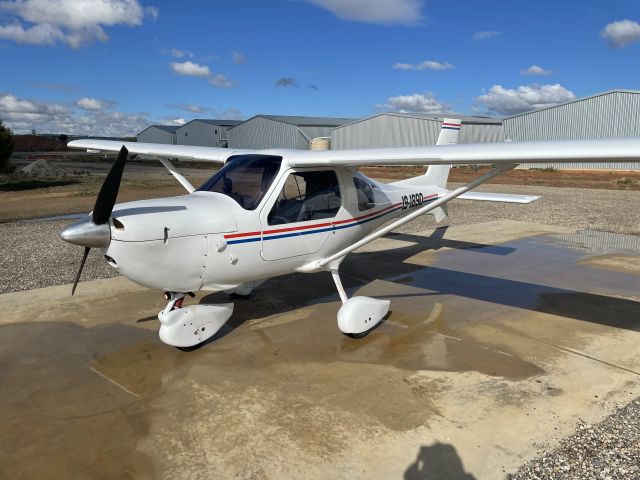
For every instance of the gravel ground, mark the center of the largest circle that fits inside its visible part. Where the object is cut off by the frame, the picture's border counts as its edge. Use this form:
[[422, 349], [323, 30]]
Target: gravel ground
[[609, 450], [33, 256], [608, 210]]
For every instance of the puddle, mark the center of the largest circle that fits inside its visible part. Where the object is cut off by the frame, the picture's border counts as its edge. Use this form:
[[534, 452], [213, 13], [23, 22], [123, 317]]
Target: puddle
[[537, 275], [58, 418]]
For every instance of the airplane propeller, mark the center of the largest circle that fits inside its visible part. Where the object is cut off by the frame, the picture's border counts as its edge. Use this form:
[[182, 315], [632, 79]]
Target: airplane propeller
[[109, 191], [95, 232]]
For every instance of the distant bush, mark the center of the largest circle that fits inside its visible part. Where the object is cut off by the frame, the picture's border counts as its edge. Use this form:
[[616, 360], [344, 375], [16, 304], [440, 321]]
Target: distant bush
[[6, 145], [626, 181]]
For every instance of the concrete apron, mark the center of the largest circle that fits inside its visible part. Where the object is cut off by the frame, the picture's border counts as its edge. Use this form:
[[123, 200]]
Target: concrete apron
[[500, 339]]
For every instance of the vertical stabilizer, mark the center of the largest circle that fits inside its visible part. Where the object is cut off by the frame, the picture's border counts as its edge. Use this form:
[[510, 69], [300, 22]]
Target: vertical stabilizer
[[438, 174]]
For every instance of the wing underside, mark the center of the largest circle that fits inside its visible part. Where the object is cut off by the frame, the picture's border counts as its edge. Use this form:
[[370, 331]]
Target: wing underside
[[499, 197]]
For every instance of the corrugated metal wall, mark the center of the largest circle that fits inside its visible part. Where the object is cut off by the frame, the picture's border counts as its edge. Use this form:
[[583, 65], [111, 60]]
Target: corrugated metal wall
[[609, 115], [481, 133], [200, 133], [260, 132], [404, 131], [157, 135]]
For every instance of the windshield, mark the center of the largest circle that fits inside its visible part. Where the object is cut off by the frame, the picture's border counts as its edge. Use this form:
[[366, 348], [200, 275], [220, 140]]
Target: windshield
[[245, 178]]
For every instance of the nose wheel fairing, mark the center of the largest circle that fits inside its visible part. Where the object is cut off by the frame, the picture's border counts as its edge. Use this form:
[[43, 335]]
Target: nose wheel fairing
[[192, 325]]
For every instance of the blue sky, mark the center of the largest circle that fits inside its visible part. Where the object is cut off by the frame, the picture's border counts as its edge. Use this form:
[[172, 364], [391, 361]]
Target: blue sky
[[111, 67]]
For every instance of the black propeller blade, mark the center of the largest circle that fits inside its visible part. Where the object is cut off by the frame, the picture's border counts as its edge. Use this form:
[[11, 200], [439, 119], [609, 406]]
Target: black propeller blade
[[104, 202], [84, 259], [109, 191]]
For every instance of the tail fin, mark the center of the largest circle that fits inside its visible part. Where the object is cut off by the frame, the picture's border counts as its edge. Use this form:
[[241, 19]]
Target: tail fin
[[438, 174]]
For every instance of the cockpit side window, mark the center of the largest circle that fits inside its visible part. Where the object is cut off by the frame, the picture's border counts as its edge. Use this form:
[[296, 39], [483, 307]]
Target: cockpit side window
[[307, 196], [245, 179], [364, 192]]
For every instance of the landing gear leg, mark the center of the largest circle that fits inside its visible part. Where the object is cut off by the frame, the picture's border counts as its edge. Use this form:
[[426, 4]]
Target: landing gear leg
[[358, 315], [187, 327]]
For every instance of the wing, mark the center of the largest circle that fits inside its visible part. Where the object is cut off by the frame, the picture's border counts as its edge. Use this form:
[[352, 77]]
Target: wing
[[182, 152], [572, 151]]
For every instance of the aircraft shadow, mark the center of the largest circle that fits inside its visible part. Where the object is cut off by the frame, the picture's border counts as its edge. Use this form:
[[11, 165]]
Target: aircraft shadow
[[436, 241], [295, 291]]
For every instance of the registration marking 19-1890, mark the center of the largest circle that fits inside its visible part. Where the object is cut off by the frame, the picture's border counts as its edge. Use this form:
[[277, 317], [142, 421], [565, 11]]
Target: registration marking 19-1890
[[413, 200]]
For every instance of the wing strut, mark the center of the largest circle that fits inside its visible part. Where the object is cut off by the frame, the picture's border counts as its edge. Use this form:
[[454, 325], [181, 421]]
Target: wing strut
[[177, 175], [334, 260]]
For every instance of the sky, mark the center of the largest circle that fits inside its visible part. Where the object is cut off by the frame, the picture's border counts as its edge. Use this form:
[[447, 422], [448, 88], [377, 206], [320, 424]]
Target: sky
[[113, 67]]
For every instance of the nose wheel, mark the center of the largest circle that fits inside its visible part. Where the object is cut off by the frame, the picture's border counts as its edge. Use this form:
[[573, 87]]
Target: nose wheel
[[187, 327]]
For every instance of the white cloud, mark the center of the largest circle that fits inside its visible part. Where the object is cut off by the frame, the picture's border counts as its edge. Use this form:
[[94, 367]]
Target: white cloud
[[536, 70], [524, 98], [191, 69], [426, 65], [177, 121], [416, 103], [35, 35], [87, 103], [621, 33], [220, 81], [238, 57], [486, 34], [177, 53], [74, 22], [22, 115], [386, 12]]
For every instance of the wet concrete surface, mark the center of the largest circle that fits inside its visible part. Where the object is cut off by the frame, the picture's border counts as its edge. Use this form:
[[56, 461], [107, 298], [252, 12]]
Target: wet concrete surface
[[500, 337]]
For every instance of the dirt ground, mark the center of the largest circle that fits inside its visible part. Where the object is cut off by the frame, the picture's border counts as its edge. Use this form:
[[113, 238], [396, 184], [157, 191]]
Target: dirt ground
[[35, 198]]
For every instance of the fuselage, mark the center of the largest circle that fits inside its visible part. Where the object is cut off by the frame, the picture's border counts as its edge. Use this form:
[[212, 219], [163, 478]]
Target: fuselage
[[251, 223]]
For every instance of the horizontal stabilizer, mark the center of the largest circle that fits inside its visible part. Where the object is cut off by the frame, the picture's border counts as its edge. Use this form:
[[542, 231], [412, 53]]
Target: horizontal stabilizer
[[499, 197]]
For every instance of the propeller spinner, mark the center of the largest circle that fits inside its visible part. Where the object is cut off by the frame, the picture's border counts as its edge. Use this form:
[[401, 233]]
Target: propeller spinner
[[94, 232]]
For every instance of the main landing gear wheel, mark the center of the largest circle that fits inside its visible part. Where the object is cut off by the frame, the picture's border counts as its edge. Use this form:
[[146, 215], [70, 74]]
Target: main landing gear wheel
[[358, 316]]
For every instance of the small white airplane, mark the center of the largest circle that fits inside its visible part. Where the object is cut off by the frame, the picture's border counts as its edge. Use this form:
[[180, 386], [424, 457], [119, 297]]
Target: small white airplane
[[273, 212]]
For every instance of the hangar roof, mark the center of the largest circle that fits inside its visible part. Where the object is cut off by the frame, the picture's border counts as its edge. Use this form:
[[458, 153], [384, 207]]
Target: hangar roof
[[306, 121], [601, 94], [220, 122], [166, 128]]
